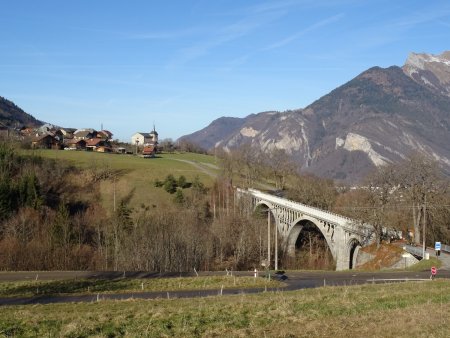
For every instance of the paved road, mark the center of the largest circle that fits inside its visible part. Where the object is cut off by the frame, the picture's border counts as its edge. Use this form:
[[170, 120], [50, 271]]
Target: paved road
[[296, 280]]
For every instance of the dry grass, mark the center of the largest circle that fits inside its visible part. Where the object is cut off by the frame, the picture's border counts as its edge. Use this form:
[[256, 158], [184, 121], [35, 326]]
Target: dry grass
[[120, 285], [384, 256], [392, 310]]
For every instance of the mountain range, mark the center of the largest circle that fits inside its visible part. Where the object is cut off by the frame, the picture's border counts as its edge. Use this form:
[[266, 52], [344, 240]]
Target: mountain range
[[379, 117]]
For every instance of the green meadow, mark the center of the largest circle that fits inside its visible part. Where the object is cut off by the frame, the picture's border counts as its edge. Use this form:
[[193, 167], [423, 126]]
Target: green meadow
[[137, 175], [391, 310]]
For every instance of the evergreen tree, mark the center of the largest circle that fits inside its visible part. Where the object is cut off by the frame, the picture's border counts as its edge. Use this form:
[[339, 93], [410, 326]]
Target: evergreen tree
[[170, 184], [6, 205], [179, 197], [182, 183]]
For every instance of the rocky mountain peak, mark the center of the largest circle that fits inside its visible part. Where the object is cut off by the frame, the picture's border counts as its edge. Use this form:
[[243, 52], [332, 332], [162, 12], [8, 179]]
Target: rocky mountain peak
[[430, 70]]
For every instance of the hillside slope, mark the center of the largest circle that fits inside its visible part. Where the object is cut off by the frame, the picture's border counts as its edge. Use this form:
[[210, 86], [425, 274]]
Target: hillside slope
[[13, 116]]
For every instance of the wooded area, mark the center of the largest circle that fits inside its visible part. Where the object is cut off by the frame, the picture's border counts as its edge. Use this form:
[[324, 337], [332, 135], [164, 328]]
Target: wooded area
[[51, 215]]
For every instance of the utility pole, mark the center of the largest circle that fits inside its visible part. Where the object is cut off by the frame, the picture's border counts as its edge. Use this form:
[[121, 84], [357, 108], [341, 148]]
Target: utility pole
[[268, 238], [276, 247], [424, 224], [268, 241]]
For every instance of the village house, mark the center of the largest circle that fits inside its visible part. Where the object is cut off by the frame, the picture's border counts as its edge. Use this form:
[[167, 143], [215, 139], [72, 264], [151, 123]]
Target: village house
[[74, 144], [99, 145], [141, 139], [84, 134], [26, 131], [149, 151], [45, 141], [104, 134], [67, 133]]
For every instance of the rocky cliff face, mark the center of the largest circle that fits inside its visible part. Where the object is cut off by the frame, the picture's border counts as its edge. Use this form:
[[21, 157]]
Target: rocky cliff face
[[381, 116]]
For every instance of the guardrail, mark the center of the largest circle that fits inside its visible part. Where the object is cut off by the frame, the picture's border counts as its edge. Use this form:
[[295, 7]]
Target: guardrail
[[416, 251], [327, 215], [445, 247]]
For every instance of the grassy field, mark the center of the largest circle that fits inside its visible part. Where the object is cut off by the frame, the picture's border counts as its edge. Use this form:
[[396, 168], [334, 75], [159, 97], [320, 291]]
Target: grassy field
[[84, 286], [390, 310], [139, 174]]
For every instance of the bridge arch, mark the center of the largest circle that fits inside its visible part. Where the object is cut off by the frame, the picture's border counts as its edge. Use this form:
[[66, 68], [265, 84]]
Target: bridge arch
[[353, 246], [295, 233], [266, 206]]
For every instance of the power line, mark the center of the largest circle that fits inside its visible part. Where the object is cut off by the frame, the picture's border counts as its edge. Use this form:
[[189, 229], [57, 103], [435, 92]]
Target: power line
[[394, 207]]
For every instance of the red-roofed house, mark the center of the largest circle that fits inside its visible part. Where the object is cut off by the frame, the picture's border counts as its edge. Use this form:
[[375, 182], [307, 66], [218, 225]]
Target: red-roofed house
[[149, 151], [45, 141], [76, 144], [98, 144], [105, 134]]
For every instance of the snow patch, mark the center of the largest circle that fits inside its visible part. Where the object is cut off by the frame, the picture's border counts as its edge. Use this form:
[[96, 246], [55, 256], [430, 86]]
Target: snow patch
[[438, 59], [418, 61]]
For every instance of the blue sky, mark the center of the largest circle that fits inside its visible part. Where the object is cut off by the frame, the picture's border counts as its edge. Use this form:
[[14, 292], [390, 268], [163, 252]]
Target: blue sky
[[182, 64]]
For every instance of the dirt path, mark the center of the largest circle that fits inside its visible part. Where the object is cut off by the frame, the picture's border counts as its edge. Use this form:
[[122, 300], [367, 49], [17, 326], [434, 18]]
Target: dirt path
[[201, 167]]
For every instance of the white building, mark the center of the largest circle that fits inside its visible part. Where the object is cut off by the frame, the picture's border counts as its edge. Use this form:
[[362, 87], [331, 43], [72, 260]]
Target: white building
[[142, 139]]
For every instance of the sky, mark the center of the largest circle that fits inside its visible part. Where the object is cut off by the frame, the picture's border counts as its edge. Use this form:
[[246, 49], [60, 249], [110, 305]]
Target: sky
[[130, 64]]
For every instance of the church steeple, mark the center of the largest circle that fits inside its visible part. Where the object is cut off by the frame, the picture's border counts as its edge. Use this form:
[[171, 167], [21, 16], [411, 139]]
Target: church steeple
[[154, 134]]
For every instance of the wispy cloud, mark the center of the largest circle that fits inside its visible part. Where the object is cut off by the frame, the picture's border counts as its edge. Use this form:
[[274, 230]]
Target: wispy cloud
[[301, 33], [234, 63], [277, 5], [225, 34], [161, 35], [422, 17], [443, 23], [146, 35]]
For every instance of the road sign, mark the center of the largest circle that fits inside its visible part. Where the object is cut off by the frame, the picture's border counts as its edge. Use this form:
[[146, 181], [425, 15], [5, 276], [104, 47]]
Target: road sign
[[433, 270], [437, 246]]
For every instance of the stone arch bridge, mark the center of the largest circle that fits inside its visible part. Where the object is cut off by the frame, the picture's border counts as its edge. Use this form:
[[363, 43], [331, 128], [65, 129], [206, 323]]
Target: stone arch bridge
[[343, 235]]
